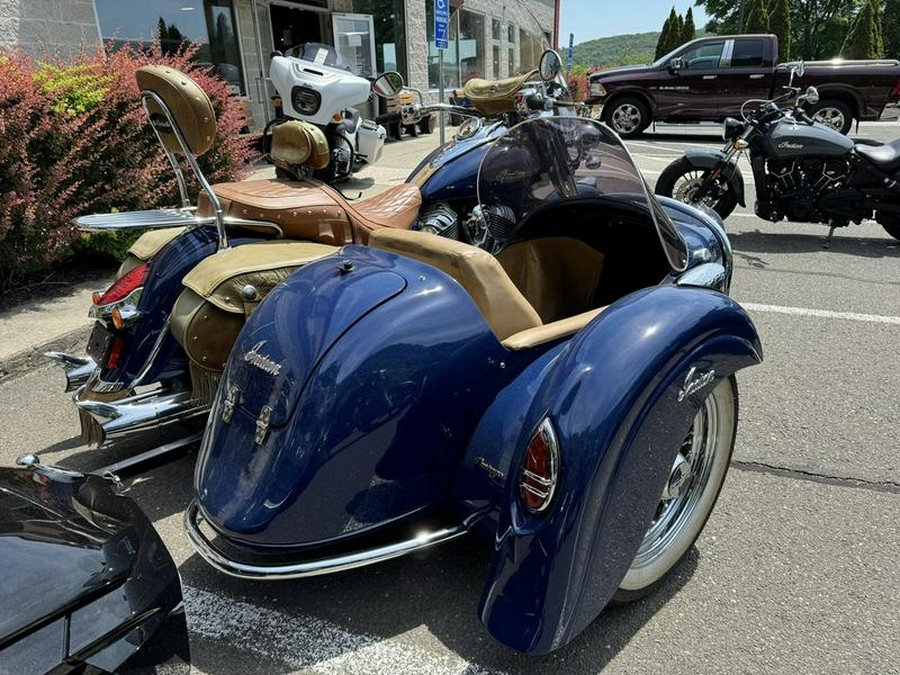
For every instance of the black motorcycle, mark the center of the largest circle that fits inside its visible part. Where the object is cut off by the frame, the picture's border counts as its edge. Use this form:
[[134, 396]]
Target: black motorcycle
[[804, 171]]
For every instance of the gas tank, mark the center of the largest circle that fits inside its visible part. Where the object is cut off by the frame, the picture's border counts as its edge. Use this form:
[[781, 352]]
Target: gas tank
[[451, 170], [791, 140]]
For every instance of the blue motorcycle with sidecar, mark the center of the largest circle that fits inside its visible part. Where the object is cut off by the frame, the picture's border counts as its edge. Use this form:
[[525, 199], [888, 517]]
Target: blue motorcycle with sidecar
[[571, 399]]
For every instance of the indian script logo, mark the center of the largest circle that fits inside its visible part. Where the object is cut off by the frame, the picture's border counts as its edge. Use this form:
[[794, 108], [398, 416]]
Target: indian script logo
[[261, 361], [694, 382], [788, 145]]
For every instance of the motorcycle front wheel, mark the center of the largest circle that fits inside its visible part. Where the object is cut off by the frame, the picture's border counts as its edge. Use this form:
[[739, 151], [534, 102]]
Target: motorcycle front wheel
[[681, 180], [696, 479]]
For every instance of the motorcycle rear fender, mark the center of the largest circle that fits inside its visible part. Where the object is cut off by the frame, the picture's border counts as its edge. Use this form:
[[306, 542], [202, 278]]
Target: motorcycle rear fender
[[707, 158], [612, 395], [149, 350]]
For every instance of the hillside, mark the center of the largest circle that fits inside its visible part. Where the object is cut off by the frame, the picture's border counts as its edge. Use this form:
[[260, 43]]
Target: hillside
[[618, 50]]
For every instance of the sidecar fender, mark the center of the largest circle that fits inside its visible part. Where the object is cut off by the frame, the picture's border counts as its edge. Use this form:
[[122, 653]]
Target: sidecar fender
[[618, 398]]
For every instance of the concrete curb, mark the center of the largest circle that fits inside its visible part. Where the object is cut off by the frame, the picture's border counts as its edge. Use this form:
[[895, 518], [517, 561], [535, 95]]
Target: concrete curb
[[24, 362]]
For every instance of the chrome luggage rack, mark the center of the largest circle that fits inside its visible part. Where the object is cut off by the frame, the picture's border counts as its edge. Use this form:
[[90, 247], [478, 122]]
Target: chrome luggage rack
[[142, 220]]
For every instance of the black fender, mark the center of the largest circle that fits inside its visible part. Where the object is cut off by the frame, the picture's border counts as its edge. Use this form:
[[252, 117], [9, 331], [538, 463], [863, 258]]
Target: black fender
[[621, 397], [708, 158]]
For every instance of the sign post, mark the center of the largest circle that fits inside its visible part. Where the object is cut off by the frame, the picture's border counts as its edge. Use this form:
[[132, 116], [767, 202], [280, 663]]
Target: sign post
[[441, 42], [571, 52]]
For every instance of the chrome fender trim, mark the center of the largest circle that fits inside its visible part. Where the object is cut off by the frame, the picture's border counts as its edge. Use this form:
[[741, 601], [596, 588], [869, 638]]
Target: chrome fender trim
[[193, 519], [77, 368]]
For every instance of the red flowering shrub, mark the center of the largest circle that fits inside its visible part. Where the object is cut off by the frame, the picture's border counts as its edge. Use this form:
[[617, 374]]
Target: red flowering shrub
[[74, 139], [576, 79]]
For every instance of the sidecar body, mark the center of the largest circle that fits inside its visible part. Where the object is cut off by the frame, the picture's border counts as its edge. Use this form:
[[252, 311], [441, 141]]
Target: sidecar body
[[571, 400]]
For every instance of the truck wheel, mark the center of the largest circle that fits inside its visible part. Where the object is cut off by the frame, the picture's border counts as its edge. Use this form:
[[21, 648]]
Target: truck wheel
[[628, 116], [835, 114], [681, 179], [698, 473]]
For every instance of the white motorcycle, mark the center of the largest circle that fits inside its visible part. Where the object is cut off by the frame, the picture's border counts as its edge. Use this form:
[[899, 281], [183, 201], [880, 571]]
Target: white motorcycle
[[316, 87]]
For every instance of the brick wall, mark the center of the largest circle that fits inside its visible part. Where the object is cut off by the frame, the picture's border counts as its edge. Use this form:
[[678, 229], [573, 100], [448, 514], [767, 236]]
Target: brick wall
[[55, 26]]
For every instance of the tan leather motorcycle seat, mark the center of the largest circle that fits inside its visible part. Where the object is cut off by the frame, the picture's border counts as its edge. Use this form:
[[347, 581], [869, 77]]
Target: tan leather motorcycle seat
[[191, 109], [314, 211]]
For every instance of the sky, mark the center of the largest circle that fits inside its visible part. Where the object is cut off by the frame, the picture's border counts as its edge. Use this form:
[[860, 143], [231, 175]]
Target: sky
[[590, 19]]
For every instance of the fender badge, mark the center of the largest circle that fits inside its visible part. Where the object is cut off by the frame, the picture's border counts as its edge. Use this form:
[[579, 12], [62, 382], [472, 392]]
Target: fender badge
[[261, 361], [694, 382], [492, 471]]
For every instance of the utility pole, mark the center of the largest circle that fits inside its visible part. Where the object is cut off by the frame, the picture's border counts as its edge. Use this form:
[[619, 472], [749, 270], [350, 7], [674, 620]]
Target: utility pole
[[741, 17]]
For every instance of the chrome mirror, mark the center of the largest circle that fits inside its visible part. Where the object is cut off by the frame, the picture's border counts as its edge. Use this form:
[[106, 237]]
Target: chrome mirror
[[676, 63], [550, 65], [388, 84], [811, 96]]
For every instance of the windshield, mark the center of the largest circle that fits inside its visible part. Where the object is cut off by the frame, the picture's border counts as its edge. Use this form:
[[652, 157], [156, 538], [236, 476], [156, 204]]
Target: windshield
[[316, 52], [550, 160]]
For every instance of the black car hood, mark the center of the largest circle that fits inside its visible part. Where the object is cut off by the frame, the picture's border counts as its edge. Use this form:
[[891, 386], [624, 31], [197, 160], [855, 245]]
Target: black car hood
[[64, 538]]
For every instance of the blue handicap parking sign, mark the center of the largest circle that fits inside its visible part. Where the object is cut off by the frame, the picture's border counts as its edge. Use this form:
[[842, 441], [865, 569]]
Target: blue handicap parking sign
[[441, 22]]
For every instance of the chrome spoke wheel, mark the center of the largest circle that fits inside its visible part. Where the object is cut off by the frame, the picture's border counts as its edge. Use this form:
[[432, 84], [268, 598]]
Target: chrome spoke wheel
[[691, 490], [626, 118], [831, 117]]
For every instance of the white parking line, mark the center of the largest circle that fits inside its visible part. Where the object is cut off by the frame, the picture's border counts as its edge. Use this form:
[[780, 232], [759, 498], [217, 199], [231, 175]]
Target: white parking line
[[822, 313], [307, 642]]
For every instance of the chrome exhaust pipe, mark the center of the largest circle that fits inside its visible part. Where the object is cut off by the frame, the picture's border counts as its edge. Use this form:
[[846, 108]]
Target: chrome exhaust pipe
[[141, 412], [77, 368]]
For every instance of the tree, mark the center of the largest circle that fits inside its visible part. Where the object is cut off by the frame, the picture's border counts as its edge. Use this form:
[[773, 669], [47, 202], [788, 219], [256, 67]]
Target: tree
[[891, 29], [674, 34], [689, 32], [663, 40], [757, 17], [818, 27], [676, 40], [780, 24], [863, 40]]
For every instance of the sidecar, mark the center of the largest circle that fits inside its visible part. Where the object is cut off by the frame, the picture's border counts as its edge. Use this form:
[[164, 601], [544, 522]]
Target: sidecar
[[571, 400]]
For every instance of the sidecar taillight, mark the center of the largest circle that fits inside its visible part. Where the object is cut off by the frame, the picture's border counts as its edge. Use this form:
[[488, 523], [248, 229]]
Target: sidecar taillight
[[540, 468], [124, 286]]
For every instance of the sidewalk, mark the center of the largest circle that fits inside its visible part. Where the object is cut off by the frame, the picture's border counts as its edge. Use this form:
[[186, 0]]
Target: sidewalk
[[61, 322]]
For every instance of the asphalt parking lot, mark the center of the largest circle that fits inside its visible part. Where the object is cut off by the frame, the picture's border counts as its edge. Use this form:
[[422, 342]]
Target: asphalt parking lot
[[796, 572]]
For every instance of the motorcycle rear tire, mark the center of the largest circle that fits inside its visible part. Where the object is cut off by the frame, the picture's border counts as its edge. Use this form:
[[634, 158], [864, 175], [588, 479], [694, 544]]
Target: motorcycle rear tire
[[665, 186]]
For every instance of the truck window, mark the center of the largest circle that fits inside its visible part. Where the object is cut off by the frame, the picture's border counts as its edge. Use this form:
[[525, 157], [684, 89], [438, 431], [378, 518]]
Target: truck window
[[702, 57], [748, 53]]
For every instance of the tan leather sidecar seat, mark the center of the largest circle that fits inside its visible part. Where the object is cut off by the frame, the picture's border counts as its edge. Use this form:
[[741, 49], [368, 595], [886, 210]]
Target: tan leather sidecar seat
[[514, 321], [504, 308], [311, 210]]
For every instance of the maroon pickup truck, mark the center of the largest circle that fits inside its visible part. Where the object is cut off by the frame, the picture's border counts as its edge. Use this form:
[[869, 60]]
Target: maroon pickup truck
[[709, 78]]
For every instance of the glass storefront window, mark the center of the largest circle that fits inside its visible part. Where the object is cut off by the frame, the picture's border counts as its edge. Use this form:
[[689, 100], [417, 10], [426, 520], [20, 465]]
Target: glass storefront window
[[495, 29], [511, 34], [210, 24], [466, 53], [389, 20], [530, 49]]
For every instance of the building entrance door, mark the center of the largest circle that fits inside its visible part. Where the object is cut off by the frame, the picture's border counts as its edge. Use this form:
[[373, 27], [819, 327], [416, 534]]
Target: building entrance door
[[280, 25]]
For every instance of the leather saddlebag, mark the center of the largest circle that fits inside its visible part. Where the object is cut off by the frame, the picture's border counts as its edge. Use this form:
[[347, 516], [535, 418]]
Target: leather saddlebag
[[223, 290]]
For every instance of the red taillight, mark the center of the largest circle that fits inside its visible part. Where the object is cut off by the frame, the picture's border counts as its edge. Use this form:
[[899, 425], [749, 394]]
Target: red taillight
[[895, 92], [115, 351], [540, 469], [124, 285]]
